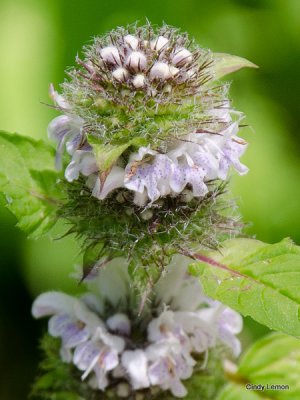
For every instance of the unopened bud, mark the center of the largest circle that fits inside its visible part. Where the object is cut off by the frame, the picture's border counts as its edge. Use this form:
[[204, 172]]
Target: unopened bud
[[160, 70], [111, 55], [120, 74], [182, 57], [132, 41], [159, 43], [174, 71], [137, 61], [138, 81]]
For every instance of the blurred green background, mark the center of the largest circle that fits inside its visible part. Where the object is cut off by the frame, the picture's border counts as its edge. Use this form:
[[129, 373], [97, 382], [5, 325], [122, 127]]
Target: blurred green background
[[39, 38]]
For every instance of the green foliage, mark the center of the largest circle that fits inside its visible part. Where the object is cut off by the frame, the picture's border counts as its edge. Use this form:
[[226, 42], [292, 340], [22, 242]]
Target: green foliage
[[226, 64], [29, 182], [147, 237], [57, 380], [257, 279], [273, 360]]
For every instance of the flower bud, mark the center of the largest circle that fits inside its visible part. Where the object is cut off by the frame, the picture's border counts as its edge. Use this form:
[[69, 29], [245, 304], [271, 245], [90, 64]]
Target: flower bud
[[131, 41], [159, 43], [137, 61], [160, 70], [182, 57], [111, 55], [138, 81], [120, 74]]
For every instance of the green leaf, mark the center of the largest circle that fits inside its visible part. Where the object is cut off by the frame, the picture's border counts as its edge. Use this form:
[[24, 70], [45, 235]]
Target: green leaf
[[257, 279], [28, 181], [107, 154], [273, 360], [226, 64]]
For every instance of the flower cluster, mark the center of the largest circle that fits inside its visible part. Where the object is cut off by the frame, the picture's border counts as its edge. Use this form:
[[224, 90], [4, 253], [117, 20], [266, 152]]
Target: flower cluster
[[159, 348], [142, 114]]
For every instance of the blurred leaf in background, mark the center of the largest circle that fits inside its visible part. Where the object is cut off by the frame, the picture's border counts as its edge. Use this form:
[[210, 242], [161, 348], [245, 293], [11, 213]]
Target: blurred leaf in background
[[39, 39]]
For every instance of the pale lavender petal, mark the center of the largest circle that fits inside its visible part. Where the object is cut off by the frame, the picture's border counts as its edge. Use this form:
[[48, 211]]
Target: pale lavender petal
[[113, 341], [74, 334], [109, 359], [229, 339], [58, 323], [114, 180], [50, 303], [135, 363], [177, 388], [82, 162], [158, 372], [119, 323], [102, 381], [182, 369], [86, 355], [231, 320]]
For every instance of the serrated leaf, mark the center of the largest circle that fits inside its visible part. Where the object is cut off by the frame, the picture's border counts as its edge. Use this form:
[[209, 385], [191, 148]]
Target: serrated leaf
[[28, 182], [226, 64], [107, 154], [273, 360], [256, 279]]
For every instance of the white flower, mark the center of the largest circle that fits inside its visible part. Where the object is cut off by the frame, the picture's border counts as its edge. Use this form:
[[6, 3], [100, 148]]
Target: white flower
[[100, 354], [71, 319], [111, 284], [187, 324], [135, 363], [66, 130], [178, 289], [114, 180], [119, 323], [230, 324], [168, 366], [83, 161]]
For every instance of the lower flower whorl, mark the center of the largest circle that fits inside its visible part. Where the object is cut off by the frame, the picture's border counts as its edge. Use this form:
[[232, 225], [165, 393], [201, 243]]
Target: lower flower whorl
[[119, 348]]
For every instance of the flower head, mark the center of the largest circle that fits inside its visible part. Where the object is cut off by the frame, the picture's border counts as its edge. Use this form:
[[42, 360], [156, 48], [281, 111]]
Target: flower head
[[159, 348], [151, 88]]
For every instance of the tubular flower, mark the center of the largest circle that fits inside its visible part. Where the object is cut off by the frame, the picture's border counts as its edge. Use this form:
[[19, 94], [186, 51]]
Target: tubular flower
[[159, 348]]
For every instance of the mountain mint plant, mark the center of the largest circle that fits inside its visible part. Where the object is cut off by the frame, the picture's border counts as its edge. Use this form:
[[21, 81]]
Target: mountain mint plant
[[146, 140]]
